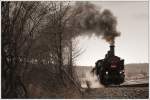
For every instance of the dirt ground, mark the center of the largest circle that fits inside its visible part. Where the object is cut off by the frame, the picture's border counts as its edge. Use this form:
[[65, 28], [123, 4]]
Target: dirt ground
[[117, 93]]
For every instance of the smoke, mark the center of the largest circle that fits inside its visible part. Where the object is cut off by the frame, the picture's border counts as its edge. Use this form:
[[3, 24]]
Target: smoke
[[93, 80], [90, 20]]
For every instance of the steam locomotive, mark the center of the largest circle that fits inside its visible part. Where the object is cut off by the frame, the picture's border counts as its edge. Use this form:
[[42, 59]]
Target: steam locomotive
[[110, 70]]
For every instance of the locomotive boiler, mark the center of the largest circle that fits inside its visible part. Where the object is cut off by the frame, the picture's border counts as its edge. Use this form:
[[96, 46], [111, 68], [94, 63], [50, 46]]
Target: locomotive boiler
[[110, 70]]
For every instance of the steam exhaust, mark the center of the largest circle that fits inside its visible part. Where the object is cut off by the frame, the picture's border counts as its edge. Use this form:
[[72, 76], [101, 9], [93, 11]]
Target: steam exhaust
[[90, 20]]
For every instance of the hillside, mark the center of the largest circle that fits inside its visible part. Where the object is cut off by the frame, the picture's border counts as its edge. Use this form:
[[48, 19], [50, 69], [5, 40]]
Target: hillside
[[137, 70]]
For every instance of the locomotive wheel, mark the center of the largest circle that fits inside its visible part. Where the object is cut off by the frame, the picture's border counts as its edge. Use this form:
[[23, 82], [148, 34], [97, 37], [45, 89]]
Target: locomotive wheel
[[104, 82]]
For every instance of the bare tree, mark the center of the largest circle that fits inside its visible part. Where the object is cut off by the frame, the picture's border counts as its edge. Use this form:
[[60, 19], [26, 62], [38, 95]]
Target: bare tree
[[41, 32], [55, 38], [20, 20]]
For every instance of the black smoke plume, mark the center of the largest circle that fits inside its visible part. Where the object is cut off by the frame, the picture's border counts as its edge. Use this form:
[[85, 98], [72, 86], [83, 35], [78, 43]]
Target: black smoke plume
[[90, 20]]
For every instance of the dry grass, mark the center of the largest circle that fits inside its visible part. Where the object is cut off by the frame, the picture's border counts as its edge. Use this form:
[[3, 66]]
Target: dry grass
[[41, 83]]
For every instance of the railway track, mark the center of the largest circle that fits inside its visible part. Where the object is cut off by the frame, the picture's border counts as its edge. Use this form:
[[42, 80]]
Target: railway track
[[130, 91], [131, 85]]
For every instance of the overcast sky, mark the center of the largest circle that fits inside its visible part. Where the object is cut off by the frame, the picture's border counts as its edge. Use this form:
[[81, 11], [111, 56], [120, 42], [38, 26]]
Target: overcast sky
[[132, 45]]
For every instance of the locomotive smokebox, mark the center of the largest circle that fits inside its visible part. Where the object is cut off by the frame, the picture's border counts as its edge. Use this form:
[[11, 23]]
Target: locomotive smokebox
[[112, 49]]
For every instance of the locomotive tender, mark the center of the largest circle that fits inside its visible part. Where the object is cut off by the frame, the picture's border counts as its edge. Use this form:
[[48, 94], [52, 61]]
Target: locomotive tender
[[110, 70]]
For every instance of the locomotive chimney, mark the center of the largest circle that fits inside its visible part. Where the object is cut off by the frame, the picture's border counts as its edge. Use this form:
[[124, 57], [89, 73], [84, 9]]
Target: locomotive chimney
[[112, 48]]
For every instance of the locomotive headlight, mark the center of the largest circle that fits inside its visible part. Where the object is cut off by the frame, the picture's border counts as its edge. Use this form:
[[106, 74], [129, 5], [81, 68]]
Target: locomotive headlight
[[106, 72], [122, 71]]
